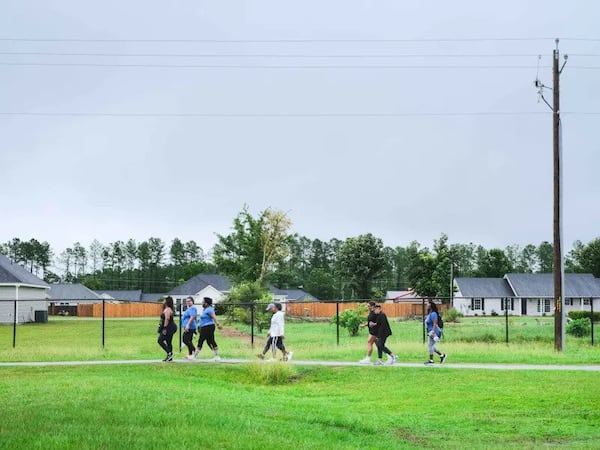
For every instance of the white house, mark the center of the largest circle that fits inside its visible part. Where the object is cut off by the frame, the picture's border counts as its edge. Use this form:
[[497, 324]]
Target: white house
[[202, 285], [524, 294], [22, 291]]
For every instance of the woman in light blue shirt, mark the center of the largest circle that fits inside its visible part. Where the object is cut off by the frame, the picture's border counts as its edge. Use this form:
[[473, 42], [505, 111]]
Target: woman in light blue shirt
[[434, 332], [188, 322], [208, 320]]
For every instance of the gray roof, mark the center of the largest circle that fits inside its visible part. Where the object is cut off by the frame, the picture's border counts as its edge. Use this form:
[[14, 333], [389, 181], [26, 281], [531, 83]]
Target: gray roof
[[12, 273], [296, 295], [68, 291], [126, 296], [152, 297], [542, 285], [202, 280], [484, 287]]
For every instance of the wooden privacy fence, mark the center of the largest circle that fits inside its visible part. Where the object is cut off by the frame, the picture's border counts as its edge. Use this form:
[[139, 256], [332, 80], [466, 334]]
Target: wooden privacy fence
[[120, 309], [328, 310]]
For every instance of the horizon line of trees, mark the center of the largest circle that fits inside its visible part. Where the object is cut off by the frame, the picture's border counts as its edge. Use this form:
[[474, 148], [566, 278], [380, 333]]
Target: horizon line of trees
[[261, 250]]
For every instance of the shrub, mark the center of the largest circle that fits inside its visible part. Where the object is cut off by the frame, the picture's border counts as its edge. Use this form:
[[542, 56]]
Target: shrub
[[579, 327], [452, 315], [584, 314], [351, 319]]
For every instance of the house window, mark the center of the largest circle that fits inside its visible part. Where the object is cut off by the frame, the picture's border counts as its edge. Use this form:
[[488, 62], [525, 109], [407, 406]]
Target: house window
[[476, 304], [543, 305], [568, 302], [507, 303]]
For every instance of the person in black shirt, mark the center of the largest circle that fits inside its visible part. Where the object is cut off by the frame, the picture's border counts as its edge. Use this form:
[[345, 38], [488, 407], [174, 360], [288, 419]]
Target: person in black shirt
[[383, 332], [372, 325]]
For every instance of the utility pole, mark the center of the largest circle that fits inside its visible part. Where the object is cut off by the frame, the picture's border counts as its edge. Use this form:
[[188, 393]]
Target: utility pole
[[558, 268], [557, 262]]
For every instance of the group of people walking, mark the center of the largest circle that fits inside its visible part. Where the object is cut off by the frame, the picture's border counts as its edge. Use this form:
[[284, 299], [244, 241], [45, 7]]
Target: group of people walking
[[191, 323], [205, 327], [380, 330], [377, 324]]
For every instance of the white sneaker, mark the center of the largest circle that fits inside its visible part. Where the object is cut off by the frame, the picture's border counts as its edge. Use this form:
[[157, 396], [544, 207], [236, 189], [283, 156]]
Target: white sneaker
[[288, 357], [217, 358], [365, 360], [393, 360]]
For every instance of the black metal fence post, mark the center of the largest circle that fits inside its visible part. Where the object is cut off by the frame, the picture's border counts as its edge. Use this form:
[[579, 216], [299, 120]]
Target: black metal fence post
[[506, 317], [180, 321], [252, 325], [103, 324], [15, 325], [337, 321], [592, 317], [423, 318]]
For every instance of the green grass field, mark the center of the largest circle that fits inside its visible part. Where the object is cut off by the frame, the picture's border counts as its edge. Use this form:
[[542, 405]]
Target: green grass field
[[277, 405], [472, 340]]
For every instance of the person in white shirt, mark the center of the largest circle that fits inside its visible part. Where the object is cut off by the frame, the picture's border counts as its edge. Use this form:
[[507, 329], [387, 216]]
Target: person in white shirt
[[276, 333]]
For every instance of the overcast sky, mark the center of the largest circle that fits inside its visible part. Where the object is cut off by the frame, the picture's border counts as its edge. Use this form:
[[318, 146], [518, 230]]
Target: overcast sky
[[353, 117]]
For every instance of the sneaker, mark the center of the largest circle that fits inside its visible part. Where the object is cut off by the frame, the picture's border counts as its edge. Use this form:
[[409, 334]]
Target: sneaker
[[378, 363], [195, 354], [169, 357], [429, 363], [261, 356], [217, 358], [392, 360], [365, 360], [288, 356], [442, 358]]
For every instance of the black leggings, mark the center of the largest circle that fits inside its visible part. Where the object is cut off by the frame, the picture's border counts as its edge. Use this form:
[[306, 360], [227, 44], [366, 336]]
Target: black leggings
[[274, 340], [166, 340], [381, 348], [188, 338], [207, 333]]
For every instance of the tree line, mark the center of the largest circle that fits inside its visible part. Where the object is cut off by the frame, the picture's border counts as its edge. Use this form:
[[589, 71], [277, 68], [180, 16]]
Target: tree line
[[261, 250]]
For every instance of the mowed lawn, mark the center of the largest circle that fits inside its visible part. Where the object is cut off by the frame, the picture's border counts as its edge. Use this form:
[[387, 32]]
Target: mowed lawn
[[277, 405], [473, 340], [225, 406]]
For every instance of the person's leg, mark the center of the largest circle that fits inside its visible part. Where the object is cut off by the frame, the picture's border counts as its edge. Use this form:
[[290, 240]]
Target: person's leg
[[266, 348], [188, 337], [380, 345], [431, 345], [201, 339], [370, 342], [162, 342], [210, 340]]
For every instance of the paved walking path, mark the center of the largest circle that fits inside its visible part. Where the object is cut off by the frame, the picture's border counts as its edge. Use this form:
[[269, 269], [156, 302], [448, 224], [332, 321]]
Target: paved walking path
[[589, 368]]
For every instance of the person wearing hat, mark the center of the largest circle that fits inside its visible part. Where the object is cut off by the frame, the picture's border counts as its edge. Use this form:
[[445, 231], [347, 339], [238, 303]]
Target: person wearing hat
[[276, 333], [383, 332], [208, 320]]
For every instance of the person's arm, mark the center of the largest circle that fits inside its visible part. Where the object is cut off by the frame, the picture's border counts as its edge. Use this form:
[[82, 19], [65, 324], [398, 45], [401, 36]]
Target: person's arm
[[214, 317]]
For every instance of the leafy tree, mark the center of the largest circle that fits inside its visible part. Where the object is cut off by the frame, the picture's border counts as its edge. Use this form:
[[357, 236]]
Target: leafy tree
[[177, 252], [586, 258], [528, 262], [545, 257], [351, 319], [493, 263], [255, 247], [361, 260], [95, 255], [420, 268]]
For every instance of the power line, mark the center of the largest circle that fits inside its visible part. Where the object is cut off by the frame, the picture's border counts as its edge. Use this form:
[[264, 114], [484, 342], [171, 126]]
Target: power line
[[271, 55], [283, 115], [277, 41], [228, 66]]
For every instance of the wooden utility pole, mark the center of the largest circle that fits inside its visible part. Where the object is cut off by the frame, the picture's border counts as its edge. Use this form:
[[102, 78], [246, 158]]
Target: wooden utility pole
[[557, 260]]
